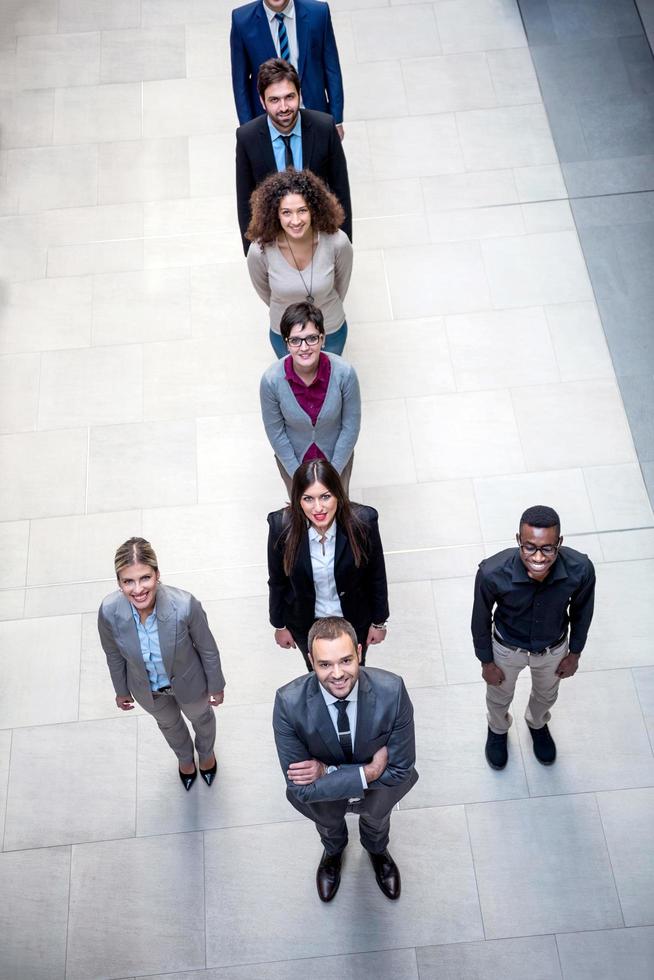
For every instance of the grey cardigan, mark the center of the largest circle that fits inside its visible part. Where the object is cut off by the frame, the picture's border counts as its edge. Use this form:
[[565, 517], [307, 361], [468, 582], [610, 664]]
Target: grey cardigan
[[289, 428]]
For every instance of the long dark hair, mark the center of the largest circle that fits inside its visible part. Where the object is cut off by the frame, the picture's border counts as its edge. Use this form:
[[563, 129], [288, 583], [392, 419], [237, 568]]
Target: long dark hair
[[295, 521]]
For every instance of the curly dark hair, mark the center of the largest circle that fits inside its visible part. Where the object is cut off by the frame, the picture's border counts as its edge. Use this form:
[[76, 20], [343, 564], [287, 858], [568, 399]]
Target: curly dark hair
[[326, 213]]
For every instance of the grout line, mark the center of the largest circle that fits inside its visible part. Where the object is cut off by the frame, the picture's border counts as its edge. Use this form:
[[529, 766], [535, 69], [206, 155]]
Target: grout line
[[608, 854]]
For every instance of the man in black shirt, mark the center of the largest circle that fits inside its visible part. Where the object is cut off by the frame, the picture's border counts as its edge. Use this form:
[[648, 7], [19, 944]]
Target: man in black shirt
[[526, 600]]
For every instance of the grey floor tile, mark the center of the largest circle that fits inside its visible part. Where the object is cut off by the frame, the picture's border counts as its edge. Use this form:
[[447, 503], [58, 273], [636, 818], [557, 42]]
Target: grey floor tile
[[557, 843], [637, 391], [95, 113], [52, 60], [142, 306], [36, 459], [426, 515], [45, 177], [389, 964], [416, 146], [435, 279], [244, 737], [45, 639], [628, 953], [162, 462], [26, 117], [617, 126], [412, 647], [512, 136], [135, 55], [581, 70], [82, 775], [436, 876], [621, 175], [5, 755], [601, 738], [585, 19], [450, 737], [14, 538], [644, 680], [618, 496], [379, 32], [579, 342], [620, 635], [46, 313], [453, 598], [143, 170], [98, 15], [627, 545], [38, 17], [509, 959], [479, 25], [165, 873], [22, 251], [38, 883], [92, 386], [626, 818], [535, 270], [19, 381]]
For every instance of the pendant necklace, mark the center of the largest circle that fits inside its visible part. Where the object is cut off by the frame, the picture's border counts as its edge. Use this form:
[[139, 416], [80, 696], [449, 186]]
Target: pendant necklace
[[308, 291]]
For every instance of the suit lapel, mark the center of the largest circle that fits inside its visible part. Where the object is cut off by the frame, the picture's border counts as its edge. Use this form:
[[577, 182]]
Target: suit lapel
[[167, 626], [340, 548], [126, 627], [366, 703], [302, 28], [320, 722], [266, 153], [261, 33]]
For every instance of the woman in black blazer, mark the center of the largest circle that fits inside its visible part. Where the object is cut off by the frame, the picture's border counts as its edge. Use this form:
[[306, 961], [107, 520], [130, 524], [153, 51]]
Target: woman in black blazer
[[325, 558]]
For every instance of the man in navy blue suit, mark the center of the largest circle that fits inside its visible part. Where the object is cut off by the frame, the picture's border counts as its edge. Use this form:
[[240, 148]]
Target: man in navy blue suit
[[300, 31]]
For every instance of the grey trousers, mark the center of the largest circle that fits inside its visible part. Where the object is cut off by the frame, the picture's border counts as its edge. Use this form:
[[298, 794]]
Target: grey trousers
[[167, 713], [374, 809], [544, 685], [345, 475]]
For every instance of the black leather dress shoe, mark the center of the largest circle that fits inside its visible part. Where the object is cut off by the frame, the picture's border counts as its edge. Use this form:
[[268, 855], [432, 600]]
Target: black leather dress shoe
[[544, 745], [496, 750], [328, 875], [188, 778], [387, 874], [209, 774]]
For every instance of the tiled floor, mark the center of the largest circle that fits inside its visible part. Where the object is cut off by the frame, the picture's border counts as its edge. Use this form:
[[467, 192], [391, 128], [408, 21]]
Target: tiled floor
[[131, 345]]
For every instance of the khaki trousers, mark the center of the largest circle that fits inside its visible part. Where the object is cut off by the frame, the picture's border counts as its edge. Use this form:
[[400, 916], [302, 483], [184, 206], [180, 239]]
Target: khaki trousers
[[167, 713], [544, 685], [345, 475]]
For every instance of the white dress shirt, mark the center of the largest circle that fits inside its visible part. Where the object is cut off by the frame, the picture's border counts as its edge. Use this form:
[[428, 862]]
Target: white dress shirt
[[352, 706], [322, 566], [290, 23]]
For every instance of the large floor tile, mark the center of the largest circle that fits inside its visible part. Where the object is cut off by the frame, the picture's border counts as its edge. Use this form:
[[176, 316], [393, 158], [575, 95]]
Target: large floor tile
[[206, 44], [513, 75], [43, 314], [419, 146], [166, 873], [618, 496], [222, 473], [51, 60], [515, 136], [186, 107], [97, 759], [439, 898], [73, 549], [502, 499], [556, 874], [388, 420], [470, 224], [244, 738], [511, 959], [14, 539], [103, 223], [626, 817], [486, 188], [426, 515], [97, 15], [464, 434], [585, 425], [143, 170], [211, 164], [627, 545], [453, 599], [45, 177], [379, 33], [368, 296], [365, 81], [142, 306], [478, 25], [38, 883], [94, 113], [412, 646], [96, 692], [622, 624], [448, 83], [95, 258], [19, 385], [26, 117], [36, 460], [601, 737], [134, 55], [22, 251], [426, 280], [494, 349], [628, 953], [222, 299], [579, 341], [450, 738], [34, 692], [644, 680], [5, 754], [92, 386], [536, 269], [39, 17], [159, 457]]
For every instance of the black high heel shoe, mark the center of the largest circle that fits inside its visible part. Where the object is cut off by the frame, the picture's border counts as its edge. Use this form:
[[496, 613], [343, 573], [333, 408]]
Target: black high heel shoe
[[188, 778], [209, 774]]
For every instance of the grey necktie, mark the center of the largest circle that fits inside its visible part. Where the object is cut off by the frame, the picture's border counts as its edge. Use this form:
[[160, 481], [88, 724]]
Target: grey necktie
[[343, 725]]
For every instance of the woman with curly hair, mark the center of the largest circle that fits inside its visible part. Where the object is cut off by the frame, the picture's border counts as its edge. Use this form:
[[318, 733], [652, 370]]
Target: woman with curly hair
[[299, 252]]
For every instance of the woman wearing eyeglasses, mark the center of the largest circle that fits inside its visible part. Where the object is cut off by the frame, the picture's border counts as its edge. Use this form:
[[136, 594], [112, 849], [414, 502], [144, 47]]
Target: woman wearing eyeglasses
[[325, 558], [310, 401], [299, 252]]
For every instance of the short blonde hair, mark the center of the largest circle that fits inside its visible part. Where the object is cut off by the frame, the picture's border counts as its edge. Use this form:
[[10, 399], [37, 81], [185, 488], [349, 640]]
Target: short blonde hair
[[136, 551]]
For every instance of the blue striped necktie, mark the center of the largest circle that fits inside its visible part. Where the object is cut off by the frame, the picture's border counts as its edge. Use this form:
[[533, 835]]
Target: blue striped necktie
[[284, 48]]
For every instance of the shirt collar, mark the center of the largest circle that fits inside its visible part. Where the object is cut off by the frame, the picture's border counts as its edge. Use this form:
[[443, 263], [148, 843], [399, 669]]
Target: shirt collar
[[315, 535], [288, 11], [321, 373], [137, 618], [296, 131], [330, 699], [556, 573]]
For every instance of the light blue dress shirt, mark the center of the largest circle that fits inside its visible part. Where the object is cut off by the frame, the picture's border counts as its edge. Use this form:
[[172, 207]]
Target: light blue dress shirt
[[279, 147], [352, 700], [148, 633]]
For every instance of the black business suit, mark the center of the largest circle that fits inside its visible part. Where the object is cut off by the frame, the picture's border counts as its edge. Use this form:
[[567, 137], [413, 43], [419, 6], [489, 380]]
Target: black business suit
[[363, 591], [322, 153], [304, 730]]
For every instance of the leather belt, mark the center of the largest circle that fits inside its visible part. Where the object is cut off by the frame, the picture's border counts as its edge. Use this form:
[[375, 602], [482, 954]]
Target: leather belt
[[532, 653], [163, 690]]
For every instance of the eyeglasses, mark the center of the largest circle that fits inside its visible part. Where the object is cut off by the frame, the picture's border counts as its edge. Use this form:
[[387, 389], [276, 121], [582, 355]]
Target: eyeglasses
[[310, 340], [546, 550]]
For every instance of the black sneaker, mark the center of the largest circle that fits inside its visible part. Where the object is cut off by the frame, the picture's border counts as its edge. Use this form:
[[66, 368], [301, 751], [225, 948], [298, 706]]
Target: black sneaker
[[496, 751], [544, 745]]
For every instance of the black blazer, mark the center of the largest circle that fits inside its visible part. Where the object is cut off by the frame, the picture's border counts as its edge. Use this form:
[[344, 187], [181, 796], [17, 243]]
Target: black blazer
[[363, 591], [322, 153]]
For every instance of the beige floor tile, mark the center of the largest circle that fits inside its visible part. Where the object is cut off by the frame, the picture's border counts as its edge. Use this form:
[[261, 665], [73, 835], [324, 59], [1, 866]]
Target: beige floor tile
[[96, 113], [140, 54], [186, 107], [502, 499], [544, 183], [379, 33], [366, 81], [385, 198], [92, 386], [97, 15], [224, 474], [19, 392], [512, 136], [536, 270], [618, 496], [487, 188], [579, 342], [14, 537], [26, 117], [77, 549], [479, 25], [143, 170], [36, 461], [95, 258], [46, 313], [448, 83], [420, 146], [476, 223], [425, 515], [141, 307], [206, 45], [384, 420], [428, 280], [368, 296], [51, 60], [45, 177], [420, 364], [101, 223]]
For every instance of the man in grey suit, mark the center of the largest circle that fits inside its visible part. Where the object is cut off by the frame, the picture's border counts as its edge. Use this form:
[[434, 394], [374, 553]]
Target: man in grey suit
[[346, 744]]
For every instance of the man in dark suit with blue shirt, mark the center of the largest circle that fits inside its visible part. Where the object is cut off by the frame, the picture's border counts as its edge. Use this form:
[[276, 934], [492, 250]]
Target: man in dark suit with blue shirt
[[299, 31], [346, 744]]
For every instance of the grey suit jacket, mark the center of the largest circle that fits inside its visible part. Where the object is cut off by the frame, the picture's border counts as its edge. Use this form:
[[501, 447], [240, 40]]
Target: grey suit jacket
[[289, 428], [188, 649], [304, 730]]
